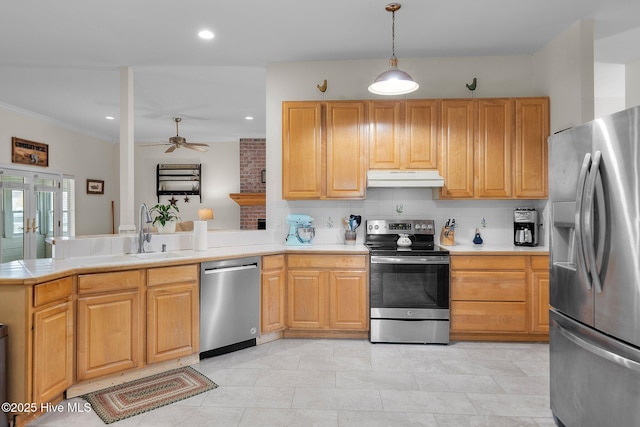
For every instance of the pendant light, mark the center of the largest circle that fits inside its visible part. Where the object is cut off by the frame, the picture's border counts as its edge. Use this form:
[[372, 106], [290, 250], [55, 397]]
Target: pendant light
[[393, 81]]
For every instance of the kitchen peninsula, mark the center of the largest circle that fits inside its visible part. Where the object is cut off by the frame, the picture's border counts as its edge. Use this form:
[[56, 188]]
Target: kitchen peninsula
[[84, 323]]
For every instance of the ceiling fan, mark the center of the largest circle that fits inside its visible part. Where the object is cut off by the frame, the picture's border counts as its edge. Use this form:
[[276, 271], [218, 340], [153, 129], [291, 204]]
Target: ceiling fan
[[178, 141]]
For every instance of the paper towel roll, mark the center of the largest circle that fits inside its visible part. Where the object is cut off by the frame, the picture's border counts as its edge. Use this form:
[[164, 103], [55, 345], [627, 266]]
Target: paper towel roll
[[200, 235]]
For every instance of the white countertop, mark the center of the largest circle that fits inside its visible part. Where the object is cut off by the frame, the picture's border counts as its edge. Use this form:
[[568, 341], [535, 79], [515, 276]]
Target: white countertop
[[35, 270], [25, 271], [493, 249]]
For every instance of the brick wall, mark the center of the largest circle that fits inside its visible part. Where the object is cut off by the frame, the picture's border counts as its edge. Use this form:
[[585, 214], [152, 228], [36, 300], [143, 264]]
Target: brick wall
[[252, 162]]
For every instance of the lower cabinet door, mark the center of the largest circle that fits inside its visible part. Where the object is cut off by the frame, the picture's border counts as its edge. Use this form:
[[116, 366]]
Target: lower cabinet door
[[306, 300], [272, 301], [172, 322], [52, 351], [109, 338], [348, 300]]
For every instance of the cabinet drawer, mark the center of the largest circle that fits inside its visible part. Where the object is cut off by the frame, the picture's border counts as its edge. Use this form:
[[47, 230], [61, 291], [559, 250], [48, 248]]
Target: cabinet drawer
[[45, 293], [101, 282], [272, 262], [488, 262], [327, 261], [167, 275], [540, 262], [475, 316], [488, 286]]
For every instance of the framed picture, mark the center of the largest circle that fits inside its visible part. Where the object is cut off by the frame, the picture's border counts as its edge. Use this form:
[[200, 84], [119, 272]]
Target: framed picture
[[95, 186], [29, 152]]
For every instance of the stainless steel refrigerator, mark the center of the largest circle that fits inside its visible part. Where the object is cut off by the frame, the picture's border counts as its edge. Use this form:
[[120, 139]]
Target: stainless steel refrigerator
[[594, 337]]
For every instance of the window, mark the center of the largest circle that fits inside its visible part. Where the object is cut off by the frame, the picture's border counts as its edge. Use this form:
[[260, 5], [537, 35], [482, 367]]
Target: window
[[68, 206], [17, 211]]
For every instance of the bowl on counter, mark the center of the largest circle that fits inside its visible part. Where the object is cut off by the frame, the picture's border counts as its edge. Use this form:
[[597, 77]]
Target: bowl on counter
[[306, 234]]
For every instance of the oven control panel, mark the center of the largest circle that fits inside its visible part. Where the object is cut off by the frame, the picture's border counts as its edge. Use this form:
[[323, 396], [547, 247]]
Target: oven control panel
[[405, 226]]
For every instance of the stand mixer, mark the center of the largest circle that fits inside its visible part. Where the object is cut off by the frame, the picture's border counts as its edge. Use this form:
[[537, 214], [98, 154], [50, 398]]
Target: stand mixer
[[301, 230]]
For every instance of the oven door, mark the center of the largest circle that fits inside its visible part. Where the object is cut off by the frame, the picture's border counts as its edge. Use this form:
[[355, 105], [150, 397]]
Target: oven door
[[409, 287]]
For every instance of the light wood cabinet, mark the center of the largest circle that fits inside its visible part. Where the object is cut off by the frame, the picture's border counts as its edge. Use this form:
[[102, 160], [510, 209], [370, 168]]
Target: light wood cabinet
[[494, 148], [457, 130], [272, 294], [403, 134], [109, 331], [52, 340], [531, 154], [302, 171], [40, 327], [173, 312], [539, 279], [327, 293], [493, 157], [348, 308], [323, 150], [492, 297]]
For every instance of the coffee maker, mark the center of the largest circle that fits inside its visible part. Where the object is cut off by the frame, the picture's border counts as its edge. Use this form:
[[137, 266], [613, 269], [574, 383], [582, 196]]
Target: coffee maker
[[525, 227]]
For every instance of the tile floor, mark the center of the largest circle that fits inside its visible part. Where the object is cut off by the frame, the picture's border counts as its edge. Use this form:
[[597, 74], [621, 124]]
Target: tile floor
[[295, 382]]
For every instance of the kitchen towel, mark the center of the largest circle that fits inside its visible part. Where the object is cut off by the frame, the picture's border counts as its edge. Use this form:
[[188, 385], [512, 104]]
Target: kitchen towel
[[200, 235]]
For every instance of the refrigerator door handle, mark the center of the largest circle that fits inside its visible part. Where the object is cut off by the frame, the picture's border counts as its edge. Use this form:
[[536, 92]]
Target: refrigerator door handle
[[601, 352], [594, 181], [583, 270]]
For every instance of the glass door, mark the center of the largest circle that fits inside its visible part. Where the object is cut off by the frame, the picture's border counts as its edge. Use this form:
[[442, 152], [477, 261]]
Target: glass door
[[14, 197], [30, 211], [43, 220]]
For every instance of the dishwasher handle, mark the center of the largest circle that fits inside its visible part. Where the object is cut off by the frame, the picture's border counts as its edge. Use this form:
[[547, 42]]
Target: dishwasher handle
[[229, 269]]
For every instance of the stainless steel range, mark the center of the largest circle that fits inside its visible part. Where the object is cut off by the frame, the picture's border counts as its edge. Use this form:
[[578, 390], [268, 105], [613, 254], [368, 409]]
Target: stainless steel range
[[409, 283]]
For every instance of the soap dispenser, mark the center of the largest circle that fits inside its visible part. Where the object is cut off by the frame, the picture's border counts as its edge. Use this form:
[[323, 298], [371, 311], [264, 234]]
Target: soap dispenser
[[477, 240]]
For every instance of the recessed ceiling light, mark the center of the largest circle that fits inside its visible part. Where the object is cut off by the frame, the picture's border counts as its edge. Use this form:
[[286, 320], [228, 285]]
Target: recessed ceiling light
[[110, 118], [206, 34], [248, 118]]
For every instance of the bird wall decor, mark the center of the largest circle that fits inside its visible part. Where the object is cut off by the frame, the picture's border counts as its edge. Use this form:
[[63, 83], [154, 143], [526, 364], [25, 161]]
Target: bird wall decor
[[323, 87], [472, 86]]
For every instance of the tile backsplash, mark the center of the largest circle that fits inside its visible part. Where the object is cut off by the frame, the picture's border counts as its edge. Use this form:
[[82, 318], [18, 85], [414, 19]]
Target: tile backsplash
[[493, 218]]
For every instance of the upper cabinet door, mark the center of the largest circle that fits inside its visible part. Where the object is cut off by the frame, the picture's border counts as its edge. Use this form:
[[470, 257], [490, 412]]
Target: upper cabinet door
[[420, 136], [493, 150], [403, 134], [302, 173], [384, 134], [457, 126], [532, 132], [346, 150]]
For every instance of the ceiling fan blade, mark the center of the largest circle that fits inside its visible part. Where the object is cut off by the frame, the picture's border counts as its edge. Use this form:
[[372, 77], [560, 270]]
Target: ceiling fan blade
[[191, 147], [170, 149], [154, 145], [196, 143]]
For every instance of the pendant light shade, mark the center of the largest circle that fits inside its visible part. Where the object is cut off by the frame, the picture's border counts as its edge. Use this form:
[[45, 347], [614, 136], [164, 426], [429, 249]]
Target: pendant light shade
[[394, 81]]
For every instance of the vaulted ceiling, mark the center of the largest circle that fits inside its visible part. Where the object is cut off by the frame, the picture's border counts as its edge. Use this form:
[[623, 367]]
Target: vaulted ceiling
[[60, 59]]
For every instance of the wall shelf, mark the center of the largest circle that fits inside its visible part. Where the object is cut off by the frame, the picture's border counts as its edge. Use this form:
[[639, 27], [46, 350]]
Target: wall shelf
[[178, 179], [249, 199]]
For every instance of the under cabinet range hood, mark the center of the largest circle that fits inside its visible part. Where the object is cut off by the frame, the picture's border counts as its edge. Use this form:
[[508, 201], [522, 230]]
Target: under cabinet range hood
[[404, 178]]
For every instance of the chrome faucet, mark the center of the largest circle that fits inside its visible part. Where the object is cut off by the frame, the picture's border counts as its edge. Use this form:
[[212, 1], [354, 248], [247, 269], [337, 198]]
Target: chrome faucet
[[145, 220]]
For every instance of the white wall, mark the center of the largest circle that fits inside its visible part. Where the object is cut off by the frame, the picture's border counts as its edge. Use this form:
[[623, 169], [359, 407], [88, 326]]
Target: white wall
[[632, 78], [609, 88], [438, 78], [220, 176], [564, 69], [70, 152]]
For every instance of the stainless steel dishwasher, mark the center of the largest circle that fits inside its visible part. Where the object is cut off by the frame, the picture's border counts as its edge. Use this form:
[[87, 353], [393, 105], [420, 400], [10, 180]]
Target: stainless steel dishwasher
[[229, 305]]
